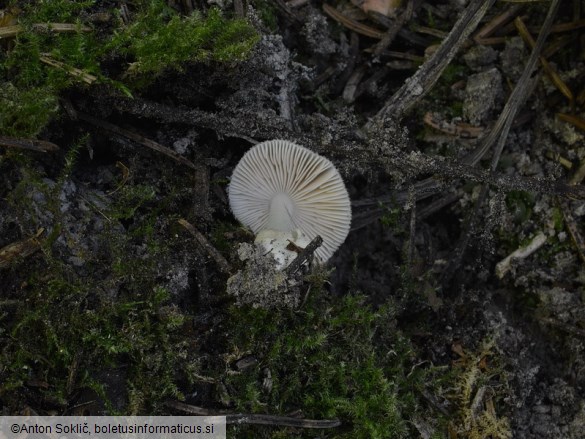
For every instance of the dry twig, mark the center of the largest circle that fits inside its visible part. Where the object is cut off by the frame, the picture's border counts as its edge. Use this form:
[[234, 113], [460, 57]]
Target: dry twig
[[221, 262], [20, 249], [243, 418], [304, 255], [136, 137], [32, 144]]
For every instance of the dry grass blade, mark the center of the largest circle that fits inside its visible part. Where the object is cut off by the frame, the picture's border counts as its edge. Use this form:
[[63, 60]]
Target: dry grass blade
[[567, 27], [88, 78], [20, 249], [32, 144], [549, 70], [352, 24], [14, 30], [573, 120], [496, 23], [437, 33]]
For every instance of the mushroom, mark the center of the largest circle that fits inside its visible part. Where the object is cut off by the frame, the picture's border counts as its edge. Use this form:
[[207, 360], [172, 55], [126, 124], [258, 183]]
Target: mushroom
[[288, 194]]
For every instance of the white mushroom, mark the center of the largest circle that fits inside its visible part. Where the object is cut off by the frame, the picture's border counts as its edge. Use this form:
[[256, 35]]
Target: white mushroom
[[285, 192]]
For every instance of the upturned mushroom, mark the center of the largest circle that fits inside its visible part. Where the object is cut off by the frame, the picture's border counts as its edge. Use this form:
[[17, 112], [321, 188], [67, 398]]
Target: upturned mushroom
[[286, 194]]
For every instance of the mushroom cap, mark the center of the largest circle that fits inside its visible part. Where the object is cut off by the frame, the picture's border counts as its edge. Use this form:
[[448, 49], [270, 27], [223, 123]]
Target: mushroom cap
[[281, 186]]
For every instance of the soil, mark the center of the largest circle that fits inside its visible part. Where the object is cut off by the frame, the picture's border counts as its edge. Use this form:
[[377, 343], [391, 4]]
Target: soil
[[313, 81]]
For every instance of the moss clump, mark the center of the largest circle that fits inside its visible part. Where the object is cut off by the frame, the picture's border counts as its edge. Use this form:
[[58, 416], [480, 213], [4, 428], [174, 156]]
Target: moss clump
[[155, 40], [477, 389], [66, 327], [334, 358], [64, 334], [160, 39]]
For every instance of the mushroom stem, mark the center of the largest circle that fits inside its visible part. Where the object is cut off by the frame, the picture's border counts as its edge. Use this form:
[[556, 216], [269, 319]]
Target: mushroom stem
[[281, 213]]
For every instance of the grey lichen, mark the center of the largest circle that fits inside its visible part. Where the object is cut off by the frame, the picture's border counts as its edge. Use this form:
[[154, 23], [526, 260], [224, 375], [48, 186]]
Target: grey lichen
[[259, 284]]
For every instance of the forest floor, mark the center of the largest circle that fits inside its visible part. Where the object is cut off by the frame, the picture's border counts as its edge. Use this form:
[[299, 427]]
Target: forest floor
[[454, 309]]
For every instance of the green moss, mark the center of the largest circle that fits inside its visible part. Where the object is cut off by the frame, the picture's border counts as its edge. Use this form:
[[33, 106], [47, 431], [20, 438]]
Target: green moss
[[160, 39], [129, 199], [64, 333], [335, 358], [520, 204], [267, 11], [23, 112], [156, 40], [70, 324]]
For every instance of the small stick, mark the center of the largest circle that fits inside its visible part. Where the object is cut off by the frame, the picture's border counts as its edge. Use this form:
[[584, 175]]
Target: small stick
[[258, 419], [282, 421], [352, 24], [20, 249], [88, 78], [504, 265], [304, 255], [223, 264], [136, 137], [32, 144]]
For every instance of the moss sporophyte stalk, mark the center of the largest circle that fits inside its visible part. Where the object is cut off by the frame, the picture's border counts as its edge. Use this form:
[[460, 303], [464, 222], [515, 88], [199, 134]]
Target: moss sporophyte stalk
[[59, 44]]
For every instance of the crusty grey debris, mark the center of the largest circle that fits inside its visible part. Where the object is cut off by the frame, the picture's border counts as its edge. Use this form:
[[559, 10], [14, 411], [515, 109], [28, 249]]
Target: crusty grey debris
[[260, 284], [482, 94]]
